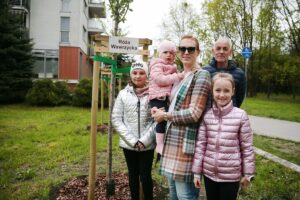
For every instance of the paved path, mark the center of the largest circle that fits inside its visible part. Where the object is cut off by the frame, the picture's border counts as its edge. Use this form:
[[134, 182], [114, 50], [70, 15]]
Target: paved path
[[276, 128]]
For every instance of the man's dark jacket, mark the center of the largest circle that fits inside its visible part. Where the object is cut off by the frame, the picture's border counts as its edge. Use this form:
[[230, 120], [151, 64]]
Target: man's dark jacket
[[239, 78]]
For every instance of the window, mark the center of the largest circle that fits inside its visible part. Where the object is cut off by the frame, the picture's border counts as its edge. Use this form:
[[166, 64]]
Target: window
[[64, 29], [65, 5], [46, 64]]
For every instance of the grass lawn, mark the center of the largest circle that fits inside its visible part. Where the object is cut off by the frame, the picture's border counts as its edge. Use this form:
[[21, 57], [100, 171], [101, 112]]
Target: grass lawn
[[278, 106], [286, 149], [41, 147]]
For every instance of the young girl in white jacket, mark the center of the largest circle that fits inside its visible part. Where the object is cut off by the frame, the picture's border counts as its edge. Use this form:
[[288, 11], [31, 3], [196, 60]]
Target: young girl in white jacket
[[132, 119], [224, 150]]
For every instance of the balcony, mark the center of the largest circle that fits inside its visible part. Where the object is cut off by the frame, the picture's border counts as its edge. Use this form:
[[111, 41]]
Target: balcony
[[97, 9], [20, 5], [95, 26]]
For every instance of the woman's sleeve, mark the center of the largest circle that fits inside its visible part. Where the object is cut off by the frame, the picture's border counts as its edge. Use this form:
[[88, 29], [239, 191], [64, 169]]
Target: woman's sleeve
[[200, 149], [118, 122], [198, 100], [246, 145]]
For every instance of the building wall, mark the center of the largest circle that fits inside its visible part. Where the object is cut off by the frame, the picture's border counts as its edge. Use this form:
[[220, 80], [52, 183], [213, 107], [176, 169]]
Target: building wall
[[70, 61], [45, 19], [73, 63], [45, 23]]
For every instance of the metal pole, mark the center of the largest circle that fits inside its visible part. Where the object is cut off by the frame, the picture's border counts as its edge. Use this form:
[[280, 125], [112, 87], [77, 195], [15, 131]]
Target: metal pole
[[246, 75]]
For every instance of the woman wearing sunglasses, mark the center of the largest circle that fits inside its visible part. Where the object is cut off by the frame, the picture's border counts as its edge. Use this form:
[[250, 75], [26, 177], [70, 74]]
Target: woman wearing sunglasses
[[188, 99]]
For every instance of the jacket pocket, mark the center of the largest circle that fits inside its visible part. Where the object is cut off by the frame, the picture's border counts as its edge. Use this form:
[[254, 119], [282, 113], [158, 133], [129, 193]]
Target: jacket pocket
[[188, 146]]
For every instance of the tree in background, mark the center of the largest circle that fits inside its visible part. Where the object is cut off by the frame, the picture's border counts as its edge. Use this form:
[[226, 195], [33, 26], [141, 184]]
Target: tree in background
[[119, 10], [181, 19], [271, 29], [16, 59], [290, 14]]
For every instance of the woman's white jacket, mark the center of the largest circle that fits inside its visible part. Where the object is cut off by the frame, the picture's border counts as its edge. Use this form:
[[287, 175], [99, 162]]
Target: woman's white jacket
[[125, 119]]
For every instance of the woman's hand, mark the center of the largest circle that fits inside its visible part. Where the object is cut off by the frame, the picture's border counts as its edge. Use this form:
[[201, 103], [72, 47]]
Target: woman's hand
[[158, 115], [244, 183]]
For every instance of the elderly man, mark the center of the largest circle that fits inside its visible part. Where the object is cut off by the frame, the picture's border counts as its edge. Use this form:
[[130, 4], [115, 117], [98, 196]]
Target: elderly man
[[222, 50]]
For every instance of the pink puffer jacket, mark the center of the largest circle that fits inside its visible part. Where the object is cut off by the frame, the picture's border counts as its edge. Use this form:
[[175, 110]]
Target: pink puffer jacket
[[162, 77], [224, 149]]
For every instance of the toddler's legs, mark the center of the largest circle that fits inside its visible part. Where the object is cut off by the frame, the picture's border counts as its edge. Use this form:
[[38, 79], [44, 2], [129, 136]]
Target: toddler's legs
[[160, 134], [160, 127]]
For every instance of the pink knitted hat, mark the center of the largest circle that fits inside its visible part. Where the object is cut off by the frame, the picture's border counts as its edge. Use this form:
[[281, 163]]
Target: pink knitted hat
[[166, 46]]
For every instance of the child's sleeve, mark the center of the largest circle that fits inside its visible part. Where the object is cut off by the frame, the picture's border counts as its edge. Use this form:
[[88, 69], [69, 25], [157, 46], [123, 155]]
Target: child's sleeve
[[118, 122], [160, 78], [246, 145], [148, 133]]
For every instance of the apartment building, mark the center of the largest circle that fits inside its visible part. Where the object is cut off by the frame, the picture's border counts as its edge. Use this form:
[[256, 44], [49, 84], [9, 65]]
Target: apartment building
[[61, 31]]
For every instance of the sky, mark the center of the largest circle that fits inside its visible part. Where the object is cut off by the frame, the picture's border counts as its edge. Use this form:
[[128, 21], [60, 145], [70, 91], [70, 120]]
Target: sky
[[147, 16]]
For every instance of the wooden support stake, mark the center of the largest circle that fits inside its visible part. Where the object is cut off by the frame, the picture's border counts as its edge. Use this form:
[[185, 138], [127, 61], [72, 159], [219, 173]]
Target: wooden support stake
[[94, 110], [102, 99]]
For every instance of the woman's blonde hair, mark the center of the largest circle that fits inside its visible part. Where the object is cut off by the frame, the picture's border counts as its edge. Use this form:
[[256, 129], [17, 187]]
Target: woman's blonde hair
[[225, 76], [192, 38]]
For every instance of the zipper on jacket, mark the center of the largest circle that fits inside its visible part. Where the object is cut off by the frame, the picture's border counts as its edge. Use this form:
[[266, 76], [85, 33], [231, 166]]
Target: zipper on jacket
[[139, 123]]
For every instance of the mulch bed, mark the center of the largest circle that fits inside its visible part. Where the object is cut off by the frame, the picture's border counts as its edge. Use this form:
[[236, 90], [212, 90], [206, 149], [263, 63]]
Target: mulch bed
[[77, 188]]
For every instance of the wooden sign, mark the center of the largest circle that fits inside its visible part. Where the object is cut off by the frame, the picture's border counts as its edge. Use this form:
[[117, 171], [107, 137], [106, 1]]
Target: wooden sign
[[123, 45]]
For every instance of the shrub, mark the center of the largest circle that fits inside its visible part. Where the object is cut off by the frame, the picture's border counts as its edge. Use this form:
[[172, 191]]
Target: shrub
[[63, 93], [83, 93], [46, 93]]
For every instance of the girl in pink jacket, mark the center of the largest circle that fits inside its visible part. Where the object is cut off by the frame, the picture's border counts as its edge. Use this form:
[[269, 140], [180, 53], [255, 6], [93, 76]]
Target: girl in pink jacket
[[224, 150], [163, 73]]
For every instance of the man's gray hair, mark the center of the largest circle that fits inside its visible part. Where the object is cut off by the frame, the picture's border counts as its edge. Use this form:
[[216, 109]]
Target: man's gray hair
[[224, 38]]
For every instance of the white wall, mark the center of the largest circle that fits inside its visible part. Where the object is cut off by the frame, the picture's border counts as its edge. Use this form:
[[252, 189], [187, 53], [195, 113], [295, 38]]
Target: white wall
[[45, 24]]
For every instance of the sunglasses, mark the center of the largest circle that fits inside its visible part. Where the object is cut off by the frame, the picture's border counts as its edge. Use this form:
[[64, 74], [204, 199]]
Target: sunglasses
[[189, 49]]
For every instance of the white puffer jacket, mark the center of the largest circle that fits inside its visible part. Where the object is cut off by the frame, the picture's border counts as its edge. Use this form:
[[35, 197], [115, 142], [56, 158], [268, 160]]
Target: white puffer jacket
[[224, 150], [125, 120]]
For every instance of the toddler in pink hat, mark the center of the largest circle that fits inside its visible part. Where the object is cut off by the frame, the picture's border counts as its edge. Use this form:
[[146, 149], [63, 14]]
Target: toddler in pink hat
[[163, 73]]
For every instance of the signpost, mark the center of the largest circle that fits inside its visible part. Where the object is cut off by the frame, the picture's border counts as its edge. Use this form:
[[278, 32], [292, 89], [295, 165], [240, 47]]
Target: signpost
[[246, 53], [123, 45]]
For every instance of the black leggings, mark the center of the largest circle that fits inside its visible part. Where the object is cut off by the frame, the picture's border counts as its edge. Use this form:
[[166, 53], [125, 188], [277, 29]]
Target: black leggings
[[160, 127], [139, 164], [221, 190]]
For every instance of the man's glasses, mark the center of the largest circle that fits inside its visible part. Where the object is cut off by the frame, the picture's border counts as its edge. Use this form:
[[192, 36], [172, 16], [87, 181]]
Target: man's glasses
[[189, 49]]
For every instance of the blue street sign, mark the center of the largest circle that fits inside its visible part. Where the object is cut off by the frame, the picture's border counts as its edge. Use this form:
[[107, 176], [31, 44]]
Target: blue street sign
[[247, 52]]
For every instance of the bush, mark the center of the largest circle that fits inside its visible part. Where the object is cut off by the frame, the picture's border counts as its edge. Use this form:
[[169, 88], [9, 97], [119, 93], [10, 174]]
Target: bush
[[46, 93], [83, 93], [63, 93]]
